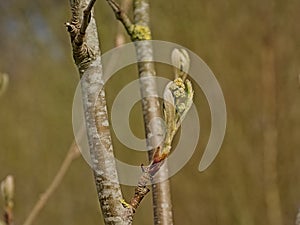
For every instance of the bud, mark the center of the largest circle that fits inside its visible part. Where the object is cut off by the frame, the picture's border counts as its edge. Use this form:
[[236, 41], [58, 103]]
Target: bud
[[4, 80], [7, 189], [181, 62], [298, 218]]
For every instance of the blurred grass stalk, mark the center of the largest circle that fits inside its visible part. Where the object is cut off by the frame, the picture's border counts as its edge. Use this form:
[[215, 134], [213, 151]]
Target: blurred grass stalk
[[270, 133], [269, 115], [72, 154]]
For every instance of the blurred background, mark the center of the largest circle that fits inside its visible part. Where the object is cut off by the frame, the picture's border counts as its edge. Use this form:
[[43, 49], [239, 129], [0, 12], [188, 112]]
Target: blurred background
[[253, 48]]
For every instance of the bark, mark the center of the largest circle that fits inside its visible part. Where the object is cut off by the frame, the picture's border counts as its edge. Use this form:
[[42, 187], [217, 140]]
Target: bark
[[87, 56], [120, 35], [161, 194], [139, 31]]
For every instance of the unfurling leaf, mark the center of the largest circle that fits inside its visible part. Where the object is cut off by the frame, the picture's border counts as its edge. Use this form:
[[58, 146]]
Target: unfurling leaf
[[178, 99]]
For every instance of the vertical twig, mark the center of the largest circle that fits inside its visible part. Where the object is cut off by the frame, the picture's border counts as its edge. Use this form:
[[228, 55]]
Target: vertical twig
[[120, 37], [87, 56], [139, 31], [161, 194]]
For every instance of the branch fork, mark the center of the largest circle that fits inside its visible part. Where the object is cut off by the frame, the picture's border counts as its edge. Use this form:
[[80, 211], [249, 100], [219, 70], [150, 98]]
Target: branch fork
[[135, 31], [179, 91], [77, 27], [178, 99]]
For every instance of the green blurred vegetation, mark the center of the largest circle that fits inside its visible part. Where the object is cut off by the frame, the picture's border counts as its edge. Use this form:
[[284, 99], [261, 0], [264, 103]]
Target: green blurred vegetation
[[35, 115]]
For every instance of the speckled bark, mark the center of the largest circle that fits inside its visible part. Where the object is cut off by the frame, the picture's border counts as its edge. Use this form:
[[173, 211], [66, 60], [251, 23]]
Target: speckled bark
[[161, 191], [88, 60]]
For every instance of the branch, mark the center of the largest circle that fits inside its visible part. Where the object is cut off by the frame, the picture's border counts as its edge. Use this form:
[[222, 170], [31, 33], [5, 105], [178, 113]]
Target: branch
[[81, 16], [86, 20], [140, 31], [135, 31], [72, 154], [178, 98], [121, 15], [87, 16], [87, 56], [161, 194], [120, 38]]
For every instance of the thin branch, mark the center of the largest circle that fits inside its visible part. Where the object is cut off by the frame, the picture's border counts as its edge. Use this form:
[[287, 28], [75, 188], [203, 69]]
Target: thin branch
[[72, 154], [121, 16], [86, 20], [120, 37]]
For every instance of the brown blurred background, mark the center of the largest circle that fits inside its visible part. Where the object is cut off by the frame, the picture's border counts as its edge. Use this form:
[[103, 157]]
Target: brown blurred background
[[253, 47]]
